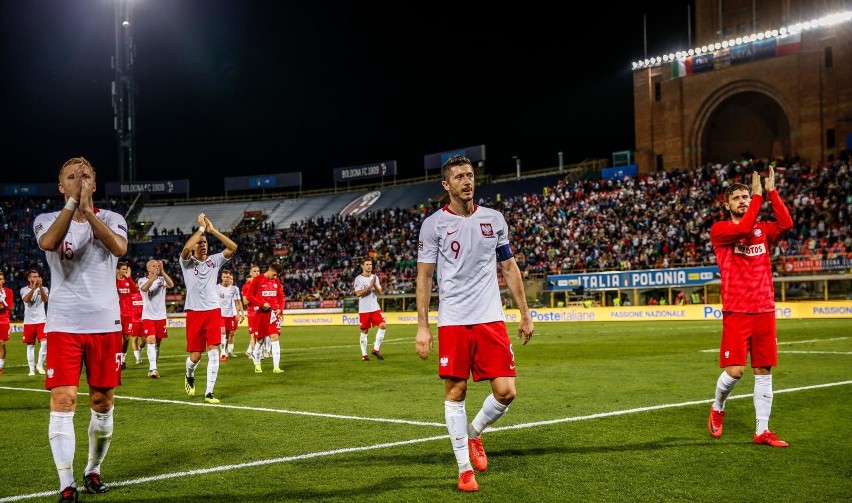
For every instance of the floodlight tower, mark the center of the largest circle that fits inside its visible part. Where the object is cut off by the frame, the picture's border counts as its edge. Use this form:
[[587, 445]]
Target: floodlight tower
[[124, 92]]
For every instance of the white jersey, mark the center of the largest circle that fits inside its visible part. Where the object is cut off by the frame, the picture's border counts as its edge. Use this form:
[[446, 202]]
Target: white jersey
[[83, 297], [369, 302], [227, 296], [201, 279], [154, 300], [34, 311], [464, 250]]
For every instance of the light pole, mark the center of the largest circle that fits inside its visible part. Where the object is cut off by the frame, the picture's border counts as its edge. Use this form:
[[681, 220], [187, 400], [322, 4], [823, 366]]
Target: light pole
[[124, 92], [517, 166]]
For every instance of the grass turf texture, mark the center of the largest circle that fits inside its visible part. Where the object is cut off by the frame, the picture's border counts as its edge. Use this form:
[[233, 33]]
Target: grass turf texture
[[605, 412]]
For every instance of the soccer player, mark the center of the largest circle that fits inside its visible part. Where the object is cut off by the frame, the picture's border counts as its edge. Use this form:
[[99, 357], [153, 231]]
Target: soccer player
[[250, 310], [7, 302], [366, 287], [35, 296], [82, 245], [231, 306], [153, 288], [267, 294], [137, 339], [742, 247], [203, 317], [126, 288], [466, 243]]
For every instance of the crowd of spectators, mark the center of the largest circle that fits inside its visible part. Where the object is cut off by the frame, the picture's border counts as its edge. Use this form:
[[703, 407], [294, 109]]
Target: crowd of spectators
[[657, 220]]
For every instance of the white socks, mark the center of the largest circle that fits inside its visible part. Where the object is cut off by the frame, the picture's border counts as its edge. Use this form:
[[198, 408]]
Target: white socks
[[762, 401], [31, 357], [151, 349], [100, 435], [276, 353], [363, 343], [724, 385], [456, 418], [491, 411], [380, 336], [60, 433], [212, 369]]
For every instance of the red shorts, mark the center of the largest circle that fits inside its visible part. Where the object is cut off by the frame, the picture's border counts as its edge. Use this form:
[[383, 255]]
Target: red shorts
[[100, 353], [4, 331], [33, 331], [203, 330], [265, 325], [251, 316], [230, 323], [744, 333], [483, 350], [131, 327], [156, 328], [372, 319]]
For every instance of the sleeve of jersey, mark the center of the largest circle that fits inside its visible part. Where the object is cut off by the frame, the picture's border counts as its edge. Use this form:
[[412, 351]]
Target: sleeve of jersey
[[783, 220], [41, 224], [117, 223], [504, 251], [427, 242], [727, 232]]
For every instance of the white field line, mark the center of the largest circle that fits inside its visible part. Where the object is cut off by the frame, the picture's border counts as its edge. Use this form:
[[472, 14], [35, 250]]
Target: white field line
[[716, 350], [442, 437]]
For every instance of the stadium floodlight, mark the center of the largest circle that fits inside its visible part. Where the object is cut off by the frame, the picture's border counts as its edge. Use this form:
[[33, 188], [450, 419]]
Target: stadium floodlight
[[831, 19]]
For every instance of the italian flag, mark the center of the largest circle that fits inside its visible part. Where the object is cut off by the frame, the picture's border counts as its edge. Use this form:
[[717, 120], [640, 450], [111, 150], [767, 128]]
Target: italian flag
[[788, 44]]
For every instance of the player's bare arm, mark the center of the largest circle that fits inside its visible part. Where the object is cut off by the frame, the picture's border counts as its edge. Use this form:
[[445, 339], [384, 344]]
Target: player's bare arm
[[230, 245], [515, 283], [424, 341]]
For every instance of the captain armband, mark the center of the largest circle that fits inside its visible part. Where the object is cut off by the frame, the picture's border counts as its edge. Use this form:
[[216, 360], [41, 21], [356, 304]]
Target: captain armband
[[504, 252]]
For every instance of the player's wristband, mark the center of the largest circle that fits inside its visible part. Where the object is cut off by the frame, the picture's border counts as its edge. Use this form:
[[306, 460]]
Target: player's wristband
[[202, 229], [71, 204]]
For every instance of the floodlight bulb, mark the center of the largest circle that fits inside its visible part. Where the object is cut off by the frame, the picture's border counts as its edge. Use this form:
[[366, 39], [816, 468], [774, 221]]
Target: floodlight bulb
[[125, 23]]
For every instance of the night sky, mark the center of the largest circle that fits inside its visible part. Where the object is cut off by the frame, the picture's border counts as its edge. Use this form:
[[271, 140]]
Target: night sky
[[250, 87]]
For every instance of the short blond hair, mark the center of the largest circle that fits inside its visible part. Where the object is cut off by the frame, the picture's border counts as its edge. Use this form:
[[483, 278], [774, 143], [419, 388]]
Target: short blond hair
[[76, 160]]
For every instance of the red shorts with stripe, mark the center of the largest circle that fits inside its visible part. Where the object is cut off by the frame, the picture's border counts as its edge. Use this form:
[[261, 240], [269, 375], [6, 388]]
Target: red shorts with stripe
[[744, 333], [265, 324], [101, 354], [372, 319], [482, 350], [251, 316], [156, 328], [230, 323], [33, 331], [131, 327], [203, 329]]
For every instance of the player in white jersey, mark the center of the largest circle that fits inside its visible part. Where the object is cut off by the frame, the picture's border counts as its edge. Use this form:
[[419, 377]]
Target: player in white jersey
[[82, 245], [153, 288], [203, 317], [466, 243], [35, 296], [231, 307], [367, 286]]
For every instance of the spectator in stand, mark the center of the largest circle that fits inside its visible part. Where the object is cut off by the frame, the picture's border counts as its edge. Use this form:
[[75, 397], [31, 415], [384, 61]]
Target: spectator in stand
[[35, 296]]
